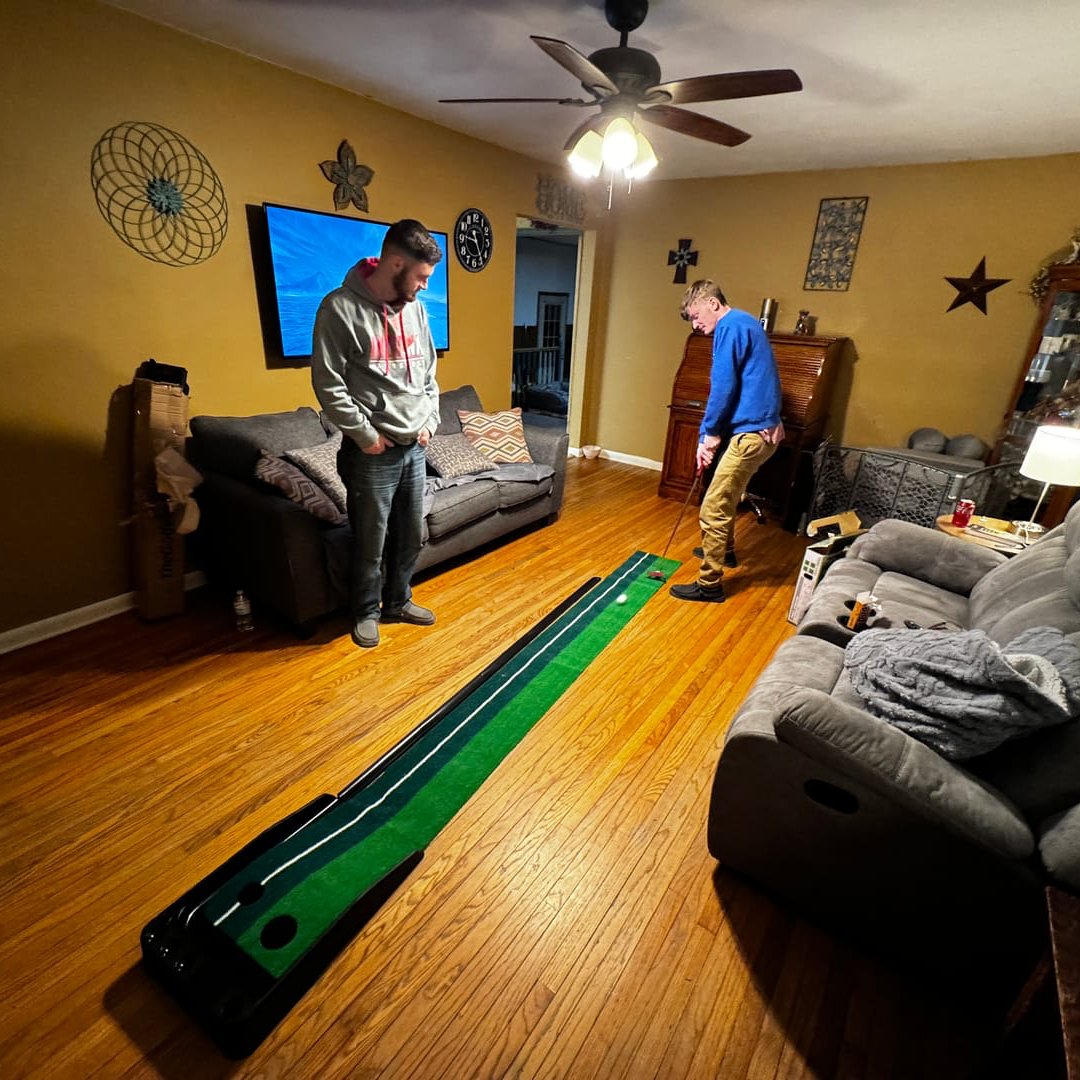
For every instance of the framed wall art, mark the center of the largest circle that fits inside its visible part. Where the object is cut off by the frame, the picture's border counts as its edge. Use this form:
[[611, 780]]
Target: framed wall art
[[836, 239]]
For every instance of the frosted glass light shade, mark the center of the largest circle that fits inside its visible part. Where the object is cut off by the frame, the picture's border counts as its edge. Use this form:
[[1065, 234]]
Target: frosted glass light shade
[[586, 158], [620, 144], [1054, 456], [644, 162]]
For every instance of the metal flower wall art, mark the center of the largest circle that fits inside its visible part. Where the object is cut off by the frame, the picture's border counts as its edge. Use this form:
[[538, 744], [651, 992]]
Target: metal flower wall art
[[349, 178], [159, 193]]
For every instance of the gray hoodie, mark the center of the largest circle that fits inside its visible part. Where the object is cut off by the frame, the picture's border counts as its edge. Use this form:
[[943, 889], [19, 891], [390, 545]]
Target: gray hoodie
[[373, 364]]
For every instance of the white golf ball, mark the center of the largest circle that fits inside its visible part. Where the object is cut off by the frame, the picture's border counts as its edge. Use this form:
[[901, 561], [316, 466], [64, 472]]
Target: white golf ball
[[621, 598]]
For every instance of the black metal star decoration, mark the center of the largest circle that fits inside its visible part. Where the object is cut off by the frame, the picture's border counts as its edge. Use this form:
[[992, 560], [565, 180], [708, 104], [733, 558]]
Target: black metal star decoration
[[681, 259], [348, 178], [973, 290]]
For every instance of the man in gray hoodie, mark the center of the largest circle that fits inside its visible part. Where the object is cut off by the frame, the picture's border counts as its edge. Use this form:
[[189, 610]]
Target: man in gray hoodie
[[373, 371]]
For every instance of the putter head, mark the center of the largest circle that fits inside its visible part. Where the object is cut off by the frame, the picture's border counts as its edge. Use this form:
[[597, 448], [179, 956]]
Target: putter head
[[656, 575]]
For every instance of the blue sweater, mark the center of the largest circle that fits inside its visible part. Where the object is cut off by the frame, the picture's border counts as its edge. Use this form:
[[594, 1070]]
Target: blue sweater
[[744, 389]]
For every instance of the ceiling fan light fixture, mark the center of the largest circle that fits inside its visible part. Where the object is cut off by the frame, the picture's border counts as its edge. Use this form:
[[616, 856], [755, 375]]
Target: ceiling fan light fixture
[[620, 146], [645, 161], [586, 158]]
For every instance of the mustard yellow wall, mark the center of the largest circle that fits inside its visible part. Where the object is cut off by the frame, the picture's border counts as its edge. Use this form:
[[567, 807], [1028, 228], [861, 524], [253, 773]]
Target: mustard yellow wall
[[81, 310], [916, 365]]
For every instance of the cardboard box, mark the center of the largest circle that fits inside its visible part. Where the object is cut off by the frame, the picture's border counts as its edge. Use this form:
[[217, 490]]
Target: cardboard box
[[159, 562], [840, 533], [160, 421]]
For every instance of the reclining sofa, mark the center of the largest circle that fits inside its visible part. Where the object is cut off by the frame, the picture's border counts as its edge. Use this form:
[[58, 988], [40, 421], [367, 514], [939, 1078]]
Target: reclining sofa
[[861, 826], [296, 566]]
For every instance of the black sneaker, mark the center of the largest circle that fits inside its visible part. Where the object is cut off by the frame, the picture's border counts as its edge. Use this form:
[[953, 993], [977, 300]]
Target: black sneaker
[[694, 591], [729, 556], [410, 613]]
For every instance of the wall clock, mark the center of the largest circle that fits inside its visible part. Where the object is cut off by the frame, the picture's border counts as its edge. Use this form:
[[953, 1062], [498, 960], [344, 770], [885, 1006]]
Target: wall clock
[[472, 239]]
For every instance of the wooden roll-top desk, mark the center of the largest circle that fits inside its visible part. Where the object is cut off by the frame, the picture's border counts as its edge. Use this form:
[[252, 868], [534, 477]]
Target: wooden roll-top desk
[[808, 367]]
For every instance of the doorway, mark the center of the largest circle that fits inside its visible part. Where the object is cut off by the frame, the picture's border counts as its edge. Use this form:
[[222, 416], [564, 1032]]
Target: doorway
[[545, 283]]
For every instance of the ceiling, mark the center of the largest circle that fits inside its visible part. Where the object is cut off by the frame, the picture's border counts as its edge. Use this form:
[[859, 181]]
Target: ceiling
[[886, 82]]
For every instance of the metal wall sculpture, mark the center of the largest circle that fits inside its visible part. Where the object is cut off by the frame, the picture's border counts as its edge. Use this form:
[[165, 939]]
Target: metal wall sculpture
[[836, 239], [159, 193]]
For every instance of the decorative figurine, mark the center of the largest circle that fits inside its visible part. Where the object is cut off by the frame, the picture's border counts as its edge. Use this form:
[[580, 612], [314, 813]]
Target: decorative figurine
[[805, 322]]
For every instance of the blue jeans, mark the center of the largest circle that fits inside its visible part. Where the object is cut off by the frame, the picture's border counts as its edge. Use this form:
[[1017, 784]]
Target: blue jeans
[[386, 510]]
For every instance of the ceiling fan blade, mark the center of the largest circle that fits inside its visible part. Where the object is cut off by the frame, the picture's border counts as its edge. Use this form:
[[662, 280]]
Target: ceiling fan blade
[[580, 66], [694, 124], [594, 123], [485, 100], [733, 84]]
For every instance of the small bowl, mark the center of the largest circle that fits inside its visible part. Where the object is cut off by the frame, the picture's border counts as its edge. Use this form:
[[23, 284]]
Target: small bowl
[[590, 452]]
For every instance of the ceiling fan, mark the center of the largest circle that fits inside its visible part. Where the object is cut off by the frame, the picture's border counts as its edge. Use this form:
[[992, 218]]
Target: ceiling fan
[[625, 83]]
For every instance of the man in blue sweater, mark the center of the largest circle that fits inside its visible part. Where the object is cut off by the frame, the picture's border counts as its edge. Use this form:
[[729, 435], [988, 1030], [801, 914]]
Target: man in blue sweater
[[744, 407]]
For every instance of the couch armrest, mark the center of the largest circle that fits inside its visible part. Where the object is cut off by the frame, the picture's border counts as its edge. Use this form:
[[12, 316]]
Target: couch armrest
[[266, 544], [548, 446], [926, 554], [881, 757]]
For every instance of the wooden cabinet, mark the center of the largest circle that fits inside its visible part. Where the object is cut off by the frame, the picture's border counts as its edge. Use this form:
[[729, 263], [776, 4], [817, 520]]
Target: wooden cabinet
[[1047, 387], [808, 368]]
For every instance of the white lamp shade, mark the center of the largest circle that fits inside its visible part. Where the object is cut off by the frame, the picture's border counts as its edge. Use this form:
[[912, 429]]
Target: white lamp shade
[[645, 161], [1054, 456], [586, 158], [620, 144]]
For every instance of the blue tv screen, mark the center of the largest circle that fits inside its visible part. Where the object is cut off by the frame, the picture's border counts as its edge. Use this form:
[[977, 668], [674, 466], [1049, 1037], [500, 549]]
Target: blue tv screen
[[310, 253]]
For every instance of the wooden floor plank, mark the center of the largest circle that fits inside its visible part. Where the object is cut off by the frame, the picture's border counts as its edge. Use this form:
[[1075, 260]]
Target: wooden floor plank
[[568, 922]]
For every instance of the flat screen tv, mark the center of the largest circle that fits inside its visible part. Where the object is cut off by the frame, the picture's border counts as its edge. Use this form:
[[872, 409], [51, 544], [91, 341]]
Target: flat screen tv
[[310, 253]]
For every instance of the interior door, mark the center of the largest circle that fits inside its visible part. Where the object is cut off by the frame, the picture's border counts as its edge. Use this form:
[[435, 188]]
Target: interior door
[[551, 334]]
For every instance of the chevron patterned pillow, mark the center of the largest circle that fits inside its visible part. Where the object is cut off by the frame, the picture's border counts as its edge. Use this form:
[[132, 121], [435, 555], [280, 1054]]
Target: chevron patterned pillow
[[498, 435], [320, 463], [295, 483]]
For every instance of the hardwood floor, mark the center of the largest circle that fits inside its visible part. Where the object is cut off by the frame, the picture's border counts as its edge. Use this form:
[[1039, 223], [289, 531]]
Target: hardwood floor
[[569, 922]]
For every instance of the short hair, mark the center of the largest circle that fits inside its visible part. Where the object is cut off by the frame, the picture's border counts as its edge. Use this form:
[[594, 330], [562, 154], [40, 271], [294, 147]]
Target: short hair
[[698, 291], [409, 238]]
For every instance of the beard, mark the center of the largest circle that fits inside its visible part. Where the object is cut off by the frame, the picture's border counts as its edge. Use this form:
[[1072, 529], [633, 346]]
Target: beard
[[401, 287]]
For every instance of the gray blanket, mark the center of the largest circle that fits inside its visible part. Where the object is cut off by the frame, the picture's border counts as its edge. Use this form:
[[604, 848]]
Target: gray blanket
[[961, 693]]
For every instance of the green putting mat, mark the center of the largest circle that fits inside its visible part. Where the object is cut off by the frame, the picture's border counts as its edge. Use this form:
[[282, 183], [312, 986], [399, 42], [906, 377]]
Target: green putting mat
[[280, 903]]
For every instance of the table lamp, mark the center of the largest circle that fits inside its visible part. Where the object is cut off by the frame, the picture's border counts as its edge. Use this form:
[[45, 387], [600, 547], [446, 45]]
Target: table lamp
[[1054, 458]]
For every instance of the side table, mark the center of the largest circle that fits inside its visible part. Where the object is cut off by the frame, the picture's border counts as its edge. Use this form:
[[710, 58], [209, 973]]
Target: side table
[[990, 532]]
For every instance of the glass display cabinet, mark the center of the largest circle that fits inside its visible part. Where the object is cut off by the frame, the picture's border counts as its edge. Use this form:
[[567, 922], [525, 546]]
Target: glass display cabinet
[[1047, 389]]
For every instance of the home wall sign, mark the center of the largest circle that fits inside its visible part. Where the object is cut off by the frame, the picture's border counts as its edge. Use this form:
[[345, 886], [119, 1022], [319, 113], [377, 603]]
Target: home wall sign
[[158, 193], [349, 179], [836, 239], [558, 200]]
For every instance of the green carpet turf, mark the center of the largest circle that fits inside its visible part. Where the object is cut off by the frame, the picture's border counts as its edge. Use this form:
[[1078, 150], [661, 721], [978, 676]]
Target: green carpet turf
[[308, 881]]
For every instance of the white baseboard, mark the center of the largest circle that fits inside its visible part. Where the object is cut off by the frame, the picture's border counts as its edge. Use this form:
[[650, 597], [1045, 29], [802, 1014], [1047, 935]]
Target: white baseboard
[[10, 640], [625, 459]]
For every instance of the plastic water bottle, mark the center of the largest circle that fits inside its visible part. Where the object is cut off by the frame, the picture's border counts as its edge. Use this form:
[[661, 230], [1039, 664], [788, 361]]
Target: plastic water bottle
[[242, 608]]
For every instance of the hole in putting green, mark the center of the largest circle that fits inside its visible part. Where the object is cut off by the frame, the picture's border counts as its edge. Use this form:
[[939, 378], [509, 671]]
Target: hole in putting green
[[278, 932], [250, 893]]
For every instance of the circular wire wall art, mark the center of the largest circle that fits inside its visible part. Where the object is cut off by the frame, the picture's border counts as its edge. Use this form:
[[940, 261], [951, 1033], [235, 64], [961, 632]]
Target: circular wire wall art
[[159, 194]]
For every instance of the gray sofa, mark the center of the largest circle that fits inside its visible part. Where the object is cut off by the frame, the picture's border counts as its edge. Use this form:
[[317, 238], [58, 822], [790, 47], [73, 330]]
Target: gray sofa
[[253, 537], [860, 825]]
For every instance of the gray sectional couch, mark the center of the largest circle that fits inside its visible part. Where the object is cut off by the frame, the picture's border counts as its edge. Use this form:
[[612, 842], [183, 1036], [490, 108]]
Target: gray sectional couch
[[295, 566], [857, 823]]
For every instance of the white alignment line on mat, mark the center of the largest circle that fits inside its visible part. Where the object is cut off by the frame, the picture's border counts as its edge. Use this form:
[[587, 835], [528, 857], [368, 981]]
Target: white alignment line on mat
[[435, 749]]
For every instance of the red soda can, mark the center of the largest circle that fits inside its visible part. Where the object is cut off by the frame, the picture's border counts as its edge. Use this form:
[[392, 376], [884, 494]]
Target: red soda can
[[961, 517]]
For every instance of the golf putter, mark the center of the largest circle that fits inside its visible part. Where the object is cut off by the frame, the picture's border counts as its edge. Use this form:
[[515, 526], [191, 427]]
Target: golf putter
[[656, 574]]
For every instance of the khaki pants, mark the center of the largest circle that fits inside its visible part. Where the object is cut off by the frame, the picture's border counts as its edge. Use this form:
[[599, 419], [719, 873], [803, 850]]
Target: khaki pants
[[744, 455]]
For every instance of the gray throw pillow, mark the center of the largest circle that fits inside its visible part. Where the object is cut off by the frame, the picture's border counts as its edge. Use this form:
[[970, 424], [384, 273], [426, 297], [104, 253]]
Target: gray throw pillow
[[299, 487], [320, 463], [929, 439], [455, 455]]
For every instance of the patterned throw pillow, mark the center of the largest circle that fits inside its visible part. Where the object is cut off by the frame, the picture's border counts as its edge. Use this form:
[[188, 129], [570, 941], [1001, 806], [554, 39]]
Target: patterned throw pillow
[[295, 483], [499, 435], [454, 455], [320, 463]]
